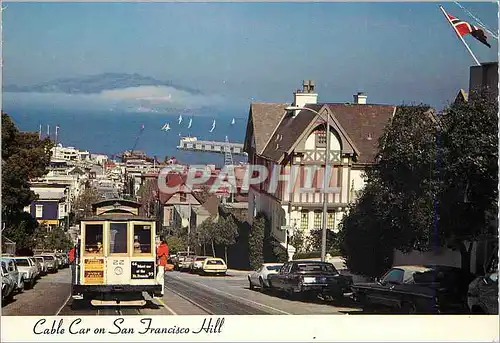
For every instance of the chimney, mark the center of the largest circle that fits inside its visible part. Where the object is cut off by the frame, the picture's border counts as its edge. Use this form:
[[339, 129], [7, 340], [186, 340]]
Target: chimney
[[306, 96], [360, 98]]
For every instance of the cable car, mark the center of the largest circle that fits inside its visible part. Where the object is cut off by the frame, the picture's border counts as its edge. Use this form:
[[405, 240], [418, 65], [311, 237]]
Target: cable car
[[115, 257]]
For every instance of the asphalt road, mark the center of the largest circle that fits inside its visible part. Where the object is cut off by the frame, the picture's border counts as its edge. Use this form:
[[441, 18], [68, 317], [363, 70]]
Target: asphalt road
[[185, 294]]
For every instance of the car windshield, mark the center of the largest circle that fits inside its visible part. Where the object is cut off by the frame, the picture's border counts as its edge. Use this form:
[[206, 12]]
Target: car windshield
[[23, 262], [215, 262], [49, 257], [316, 267], [39, 259], [273, 268], [201, 258]]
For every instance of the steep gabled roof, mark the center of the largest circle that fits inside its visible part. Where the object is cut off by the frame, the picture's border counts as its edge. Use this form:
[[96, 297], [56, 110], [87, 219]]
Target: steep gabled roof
[[263, 119], [361, 124]]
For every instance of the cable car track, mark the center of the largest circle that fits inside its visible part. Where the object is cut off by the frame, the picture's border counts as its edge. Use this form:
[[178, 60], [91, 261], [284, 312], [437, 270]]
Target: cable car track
[[210, 302]]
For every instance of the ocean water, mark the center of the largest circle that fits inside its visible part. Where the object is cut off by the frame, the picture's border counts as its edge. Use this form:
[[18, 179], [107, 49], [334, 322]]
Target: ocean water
[[111, 133]]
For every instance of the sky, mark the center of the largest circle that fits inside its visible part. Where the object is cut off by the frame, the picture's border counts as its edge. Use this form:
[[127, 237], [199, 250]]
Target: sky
[[394, 52]]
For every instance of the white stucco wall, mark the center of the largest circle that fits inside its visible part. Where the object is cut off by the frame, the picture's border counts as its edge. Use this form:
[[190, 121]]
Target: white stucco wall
[[335, 144]]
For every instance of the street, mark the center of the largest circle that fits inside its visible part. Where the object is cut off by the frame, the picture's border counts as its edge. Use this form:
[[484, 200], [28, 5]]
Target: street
[[185, 294]]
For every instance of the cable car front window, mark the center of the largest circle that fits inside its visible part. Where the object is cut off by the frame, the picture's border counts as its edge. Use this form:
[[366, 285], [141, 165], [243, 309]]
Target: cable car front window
[[93, 238], [118, 238], [142, 239]]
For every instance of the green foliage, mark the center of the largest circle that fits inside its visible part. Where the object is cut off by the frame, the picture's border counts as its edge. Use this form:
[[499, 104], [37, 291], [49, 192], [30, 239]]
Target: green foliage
[[279, 252], [57, 239], [227, 233], [307, 255], [24, 157], [147, 198], [313, 241], [256, 241], [82, 206], [175, 244], [435, 184], [298, 241]]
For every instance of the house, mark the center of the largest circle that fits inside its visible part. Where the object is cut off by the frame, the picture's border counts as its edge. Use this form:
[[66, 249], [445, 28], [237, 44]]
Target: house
[[52, 206], [484, 76], [277, 137]]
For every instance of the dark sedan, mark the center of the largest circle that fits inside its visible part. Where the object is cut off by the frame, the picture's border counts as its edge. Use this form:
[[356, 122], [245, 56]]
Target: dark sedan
[[310, 278], [418, 289]]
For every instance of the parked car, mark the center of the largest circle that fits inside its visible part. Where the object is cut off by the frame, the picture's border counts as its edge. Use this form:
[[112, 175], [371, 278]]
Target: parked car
[[63, 260], [417, 289], [259, 277], [197, 264], [310, 279], [14, 273], [185, 265], [180, 257], [28, 268], [482, 296], [52, 266], [214, 265], [38, 267], [8, 284], [43, 264]]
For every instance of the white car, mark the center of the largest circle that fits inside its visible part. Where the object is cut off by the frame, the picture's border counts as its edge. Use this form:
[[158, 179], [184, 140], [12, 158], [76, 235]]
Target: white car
[[197, 264], [259, 277], [8, 285], [26, 266], [214, 265], [14, 273]]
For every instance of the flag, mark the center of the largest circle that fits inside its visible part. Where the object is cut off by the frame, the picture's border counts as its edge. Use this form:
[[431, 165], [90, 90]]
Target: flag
[[463, 28]]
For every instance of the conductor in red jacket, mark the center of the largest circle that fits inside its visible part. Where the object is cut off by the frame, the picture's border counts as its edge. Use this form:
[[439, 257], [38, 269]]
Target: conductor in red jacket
[[162, 255]]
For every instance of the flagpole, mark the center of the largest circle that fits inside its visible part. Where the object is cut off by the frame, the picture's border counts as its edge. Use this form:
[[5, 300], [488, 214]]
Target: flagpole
[[48, 130], [459, 36]]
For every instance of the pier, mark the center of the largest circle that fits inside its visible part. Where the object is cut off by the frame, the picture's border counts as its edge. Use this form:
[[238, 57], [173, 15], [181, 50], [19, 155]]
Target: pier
[[193, 144]]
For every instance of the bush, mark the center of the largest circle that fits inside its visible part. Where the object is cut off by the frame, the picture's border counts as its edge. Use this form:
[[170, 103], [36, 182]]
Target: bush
[[306, 255], [256, 241]]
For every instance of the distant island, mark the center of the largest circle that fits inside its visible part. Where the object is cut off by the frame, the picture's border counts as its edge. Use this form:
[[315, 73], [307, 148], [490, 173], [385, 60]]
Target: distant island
[[95, 84]]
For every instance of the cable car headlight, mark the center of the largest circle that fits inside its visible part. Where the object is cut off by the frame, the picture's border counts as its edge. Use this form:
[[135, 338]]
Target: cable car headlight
[[118, 271]]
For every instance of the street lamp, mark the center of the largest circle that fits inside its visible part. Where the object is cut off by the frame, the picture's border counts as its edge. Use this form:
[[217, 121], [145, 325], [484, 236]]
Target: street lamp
[[325, 176]]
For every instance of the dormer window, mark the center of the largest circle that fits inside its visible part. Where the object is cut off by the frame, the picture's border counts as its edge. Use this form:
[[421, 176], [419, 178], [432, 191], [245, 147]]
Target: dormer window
[[320, 139], [183, 197]]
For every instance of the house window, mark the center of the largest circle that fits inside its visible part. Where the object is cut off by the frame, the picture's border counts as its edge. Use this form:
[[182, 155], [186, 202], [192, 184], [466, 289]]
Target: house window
[[317, 220], [320, 139], [304, 220], [330, 220], [183, 197], [39, 211]]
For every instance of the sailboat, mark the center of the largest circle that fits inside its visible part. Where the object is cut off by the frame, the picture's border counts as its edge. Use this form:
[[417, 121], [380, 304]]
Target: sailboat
[[180, 119], [165, 127], [213, 126], [190, 122], [232, 122]]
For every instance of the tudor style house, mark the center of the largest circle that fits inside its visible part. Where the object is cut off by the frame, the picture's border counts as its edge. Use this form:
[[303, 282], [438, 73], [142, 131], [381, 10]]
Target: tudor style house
[[276, 136]]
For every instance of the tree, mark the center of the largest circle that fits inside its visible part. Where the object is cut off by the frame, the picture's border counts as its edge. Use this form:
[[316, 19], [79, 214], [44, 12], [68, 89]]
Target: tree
[[396, 209], [313, 241], [24, 157], [147, 198], [468, 203], [83, 203], [256, 241], [435, 184], [227, 233], [298, 241], [207, 233], [175, 244], [57, 239]]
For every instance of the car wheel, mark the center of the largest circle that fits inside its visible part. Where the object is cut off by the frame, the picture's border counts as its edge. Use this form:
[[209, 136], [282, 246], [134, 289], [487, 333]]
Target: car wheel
[[21, 289], [261, 283], [250, 284]]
